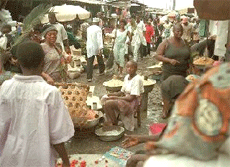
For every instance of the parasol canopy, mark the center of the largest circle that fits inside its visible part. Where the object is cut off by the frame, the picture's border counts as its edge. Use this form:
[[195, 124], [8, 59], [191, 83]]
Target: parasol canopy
[[172, 14], [213, 9], [68, 13]]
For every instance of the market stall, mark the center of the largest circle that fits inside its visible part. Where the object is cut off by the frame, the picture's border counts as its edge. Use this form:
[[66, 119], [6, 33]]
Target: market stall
[[216, 10]]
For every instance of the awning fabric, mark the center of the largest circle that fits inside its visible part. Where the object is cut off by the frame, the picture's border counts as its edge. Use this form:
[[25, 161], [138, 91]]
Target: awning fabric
[[213, 9]]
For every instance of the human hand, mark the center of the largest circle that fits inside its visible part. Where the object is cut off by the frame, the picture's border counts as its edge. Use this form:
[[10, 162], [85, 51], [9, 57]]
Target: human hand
[[62, 60], [174, 62], [69, 59], [67, 50], [130, 141], [50, 81]]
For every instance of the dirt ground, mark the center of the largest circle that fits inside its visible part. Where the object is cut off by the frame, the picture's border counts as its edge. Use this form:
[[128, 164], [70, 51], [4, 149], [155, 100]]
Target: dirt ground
[[86, 142]]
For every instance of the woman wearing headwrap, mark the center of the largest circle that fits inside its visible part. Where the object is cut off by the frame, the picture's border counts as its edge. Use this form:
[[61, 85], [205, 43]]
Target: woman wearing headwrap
[[54, 60]]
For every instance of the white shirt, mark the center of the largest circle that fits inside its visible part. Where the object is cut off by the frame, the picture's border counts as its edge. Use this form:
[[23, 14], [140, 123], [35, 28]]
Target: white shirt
[[141, 26], [138, 37], [134, 86], [62, 34], [94, 40], [32, 118], [187, 32]]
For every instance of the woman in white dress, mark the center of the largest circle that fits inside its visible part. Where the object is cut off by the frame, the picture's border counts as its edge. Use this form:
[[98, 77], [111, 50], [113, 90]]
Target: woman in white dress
[[121, 38]]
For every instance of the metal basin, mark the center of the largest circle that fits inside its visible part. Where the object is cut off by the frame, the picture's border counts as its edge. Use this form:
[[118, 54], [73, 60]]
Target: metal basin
[[116, 133]]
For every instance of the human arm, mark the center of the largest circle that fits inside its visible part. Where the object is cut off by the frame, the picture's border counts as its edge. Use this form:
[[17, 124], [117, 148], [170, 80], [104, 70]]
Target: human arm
[[100, 41], [116, 94], [5, 119], [60, 148], [61, 127], [144, 29], [132, 140], [47, 78], [66, 45], [128, 97], [160, 54], [65, 40], [152, 32]]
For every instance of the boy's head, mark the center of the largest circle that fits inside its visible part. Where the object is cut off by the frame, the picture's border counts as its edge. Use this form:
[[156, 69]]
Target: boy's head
[[6, 29], [30, 56], [131, 67]]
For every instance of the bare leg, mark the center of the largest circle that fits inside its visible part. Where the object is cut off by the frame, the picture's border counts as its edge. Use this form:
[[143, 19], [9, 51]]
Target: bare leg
[[110, 108]]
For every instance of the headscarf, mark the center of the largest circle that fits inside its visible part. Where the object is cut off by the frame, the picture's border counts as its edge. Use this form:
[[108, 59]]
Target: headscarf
[[48, 28]]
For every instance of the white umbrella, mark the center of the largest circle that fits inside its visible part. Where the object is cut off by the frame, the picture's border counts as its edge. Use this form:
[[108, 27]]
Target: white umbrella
[[68, 13]]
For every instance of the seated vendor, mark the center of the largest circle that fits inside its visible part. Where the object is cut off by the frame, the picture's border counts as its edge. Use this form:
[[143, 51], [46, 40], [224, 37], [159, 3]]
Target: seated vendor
[[171, 88], [125, 102], [215, 80]]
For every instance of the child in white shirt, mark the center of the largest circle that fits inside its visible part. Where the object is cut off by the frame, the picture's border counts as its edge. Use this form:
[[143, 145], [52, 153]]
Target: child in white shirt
[[34, 122]]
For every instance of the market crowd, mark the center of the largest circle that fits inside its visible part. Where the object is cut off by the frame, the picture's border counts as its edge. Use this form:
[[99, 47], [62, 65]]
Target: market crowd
[[34, 121]]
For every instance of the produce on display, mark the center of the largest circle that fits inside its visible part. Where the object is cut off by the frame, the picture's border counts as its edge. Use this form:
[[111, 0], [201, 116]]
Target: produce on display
[[75, 96], [203, 61]]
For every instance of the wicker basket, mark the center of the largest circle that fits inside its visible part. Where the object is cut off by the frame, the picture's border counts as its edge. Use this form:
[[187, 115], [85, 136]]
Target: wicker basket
[[75, 96]]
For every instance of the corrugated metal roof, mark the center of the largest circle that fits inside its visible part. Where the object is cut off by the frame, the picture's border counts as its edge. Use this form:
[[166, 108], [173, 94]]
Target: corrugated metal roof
[[89, 2]]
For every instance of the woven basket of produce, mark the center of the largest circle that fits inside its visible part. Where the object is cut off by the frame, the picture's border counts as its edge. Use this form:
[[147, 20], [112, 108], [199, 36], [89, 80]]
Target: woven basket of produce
[[113, 85], [75, 96], [203, 62]]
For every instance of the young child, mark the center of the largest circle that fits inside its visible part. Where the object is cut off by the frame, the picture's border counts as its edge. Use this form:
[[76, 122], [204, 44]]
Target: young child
[[34, 122]]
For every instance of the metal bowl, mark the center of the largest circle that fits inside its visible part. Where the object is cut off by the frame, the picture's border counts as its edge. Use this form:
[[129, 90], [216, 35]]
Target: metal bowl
[[104, 136], [84, 123]]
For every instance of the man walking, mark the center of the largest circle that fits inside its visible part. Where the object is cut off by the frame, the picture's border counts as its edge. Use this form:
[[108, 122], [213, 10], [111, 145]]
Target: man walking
[[138, 38], [187, 31], [94, 48]]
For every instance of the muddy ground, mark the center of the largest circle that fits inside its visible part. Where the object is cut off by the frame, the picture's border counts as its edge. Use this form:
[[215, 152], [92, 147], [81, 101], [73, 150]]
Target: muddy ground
[[86, 142]]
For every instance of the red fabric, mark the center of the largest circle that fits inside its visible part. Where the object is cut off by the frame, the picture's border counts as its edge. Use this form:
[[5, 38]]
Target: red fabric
[[149, 33], [157, 128]]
